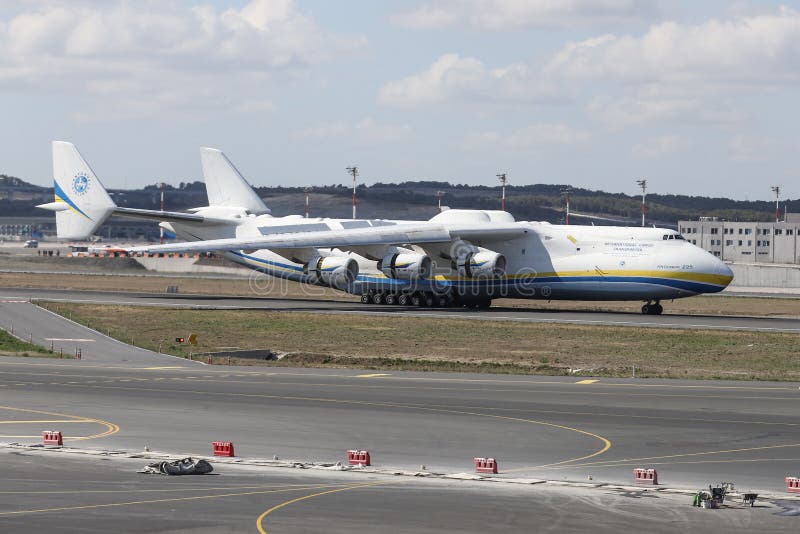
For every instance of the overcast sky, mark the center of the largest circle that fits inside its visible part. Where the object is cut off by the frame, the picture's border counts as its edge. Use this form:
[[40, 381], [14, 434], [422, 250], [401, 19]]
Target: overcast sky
[[698, 97]]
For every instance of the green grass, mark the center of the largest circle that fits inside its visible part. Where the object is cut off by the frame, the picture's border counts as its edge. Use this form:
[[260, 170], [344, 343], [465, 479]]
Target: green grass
[[12, 346], [416, 343]]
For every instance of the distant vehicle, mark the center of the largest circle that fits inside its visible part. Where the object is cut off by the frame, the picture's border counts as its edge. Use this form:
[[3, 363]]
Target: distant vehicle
[[31, 243]]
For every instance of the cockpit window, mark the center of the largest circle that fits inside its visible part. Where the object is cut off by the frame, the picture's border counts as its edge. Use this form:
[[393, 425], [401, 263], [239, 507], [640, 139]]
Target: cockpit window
[[680, 237]]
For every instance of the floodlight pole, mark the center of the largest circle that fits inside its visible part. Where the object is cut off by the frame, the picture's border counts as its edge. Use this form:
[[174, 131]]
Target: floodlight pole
[[777, 190], [566, 191], [161, 229], [643, 184], [354, 171], [504, 181], [439, 195]]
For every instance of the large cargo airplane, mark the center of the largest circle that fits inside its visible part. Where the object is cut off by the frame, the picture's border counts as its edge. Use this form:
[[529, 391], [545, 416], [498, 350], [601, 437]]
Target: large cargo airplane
[[458, 257]]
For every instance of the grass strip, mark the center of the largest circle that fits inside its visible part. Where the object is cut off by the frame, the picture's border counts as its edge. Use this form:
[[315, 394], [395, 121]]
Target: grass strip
[[435, 344]]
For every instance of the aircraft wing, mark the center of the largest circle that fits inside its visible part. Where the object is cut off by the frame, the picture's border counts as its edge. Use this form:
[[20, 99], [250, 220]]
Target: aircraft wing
[[171, 216], [401, 234]]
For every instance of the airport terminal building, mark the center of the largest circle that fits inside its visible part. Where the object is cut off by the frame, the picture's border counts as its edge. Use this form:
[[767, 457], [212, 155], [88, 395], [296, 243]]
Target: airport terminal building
[[747, 242]]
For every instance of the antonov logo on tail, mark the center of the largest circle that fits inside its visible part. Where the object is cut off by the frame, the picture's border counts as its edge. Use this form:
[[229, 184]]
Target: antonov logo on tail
[[80, 184]]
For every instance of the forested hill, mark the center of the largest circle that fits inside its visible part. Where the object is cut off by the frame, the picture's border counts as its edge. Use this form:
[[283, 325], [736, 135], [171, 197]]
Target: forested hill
[[417, 200]]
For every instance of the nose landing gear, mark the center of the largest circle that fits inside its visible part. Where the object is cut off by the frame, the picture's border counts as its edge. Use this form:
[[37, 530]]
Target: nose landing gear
[[652, 308]]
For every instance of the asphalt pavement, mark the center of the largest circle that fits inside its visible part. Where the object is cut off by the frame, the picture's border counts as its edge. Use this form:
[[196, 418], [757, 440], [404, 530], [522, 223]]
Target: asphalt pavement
[[711, 322], [560, 429]]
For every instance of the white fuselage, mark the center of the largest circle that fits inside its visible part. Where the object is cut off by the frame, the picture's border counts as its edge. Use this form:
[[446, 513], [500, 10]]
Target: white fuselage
[[547, 262]]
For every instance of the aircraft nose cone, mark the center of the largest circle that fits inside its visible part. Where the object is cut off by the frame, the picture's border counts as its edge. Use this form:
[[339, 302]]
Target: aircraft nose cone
[[724, 271]]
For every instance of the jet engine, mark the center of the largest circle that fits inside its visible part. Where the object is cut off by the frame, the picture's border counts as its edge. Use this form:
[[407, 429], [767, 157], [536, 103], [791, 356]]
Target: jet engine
[[406, 265], [484, 263], [334, 271]]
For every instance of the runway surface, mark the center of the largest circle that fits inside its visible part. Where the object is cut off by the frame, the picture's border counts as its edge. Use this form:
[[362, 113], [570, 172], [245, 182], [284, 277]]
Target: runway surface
[[556, 428], [765, 324], [110, 496]]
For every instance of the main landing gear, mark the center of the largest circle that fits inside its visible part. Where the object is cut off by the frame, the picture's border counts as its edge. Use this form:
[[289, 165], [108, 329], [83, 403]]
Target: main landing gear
[[652, 308], [420, 299]]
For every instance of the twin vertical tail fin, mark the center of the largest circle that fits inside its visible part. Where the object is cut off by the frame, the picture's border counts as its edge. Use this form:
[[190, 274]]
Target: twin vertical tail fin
[[225, 185], [81, 202]]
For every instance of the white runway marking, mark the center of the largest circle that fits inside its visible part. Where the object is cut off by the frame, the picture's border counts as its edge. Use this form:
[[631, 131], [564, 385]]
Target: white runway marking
[[69, 339]]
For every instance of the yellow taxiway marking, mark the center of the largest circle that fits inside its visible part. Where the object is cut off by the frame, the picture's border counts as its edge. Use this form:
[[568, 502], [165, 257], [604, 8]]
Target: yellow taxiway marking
[[260, 520], [586, 381], [373, 375], [155, 501], [30, 422], [111, 428], [624, 461], [606, 443]]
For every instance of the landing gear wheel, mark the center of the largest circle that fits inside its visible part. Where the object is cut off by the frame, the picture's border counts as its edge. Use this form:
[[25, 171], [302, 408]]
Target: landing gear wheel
[[441, 301], [391, 299], [377, 298], [365, 298], [427, 300], [416, 300], [404, 299], [652, 309]]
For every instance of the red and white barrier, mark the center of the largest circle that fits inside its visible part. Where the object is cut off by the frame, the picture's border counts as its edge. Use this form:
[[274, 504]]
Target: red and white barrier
[[355, 457], [52, 437], [222, 448], [645, 476], [793, 484], [485, 465]]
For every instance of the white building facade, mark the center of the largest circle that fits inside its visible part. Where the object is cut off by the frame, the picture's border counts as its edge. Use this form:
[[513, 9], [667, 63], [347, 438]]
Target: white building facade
[[747, 242]]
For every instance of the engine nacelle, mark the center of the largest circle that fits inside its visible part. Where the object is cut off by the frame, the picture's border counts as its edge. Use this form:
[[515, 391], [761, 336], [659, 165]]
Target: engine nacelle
[[406, 265], [336, 271], [484, 263]]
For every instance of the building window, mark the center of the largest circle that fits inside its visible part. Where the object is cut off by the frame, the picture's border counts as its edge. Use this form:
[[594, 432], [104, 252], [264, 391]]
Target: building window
[[740, 242], [716, 253], [715, 230], [778, 231], [766, 243], [765, 231], [728, 242], [789, 232], [749, 242], [748, 231], [740, 231]]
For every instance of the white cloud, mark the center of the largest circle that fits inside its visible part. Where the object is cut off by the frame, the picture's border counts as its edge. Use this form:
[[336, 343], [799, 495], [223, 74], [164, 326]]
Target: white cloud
[[752, 147], [500, 15], [365, 132], [658, 146], [162, 52], [621, 111], [454, 77], [691, 73], [529, 137], [757, 50]]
